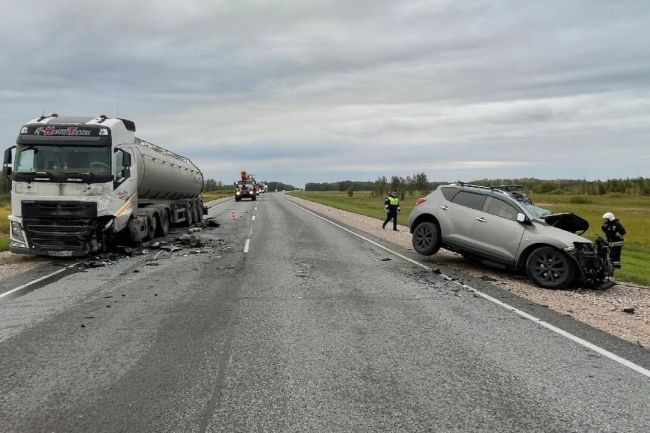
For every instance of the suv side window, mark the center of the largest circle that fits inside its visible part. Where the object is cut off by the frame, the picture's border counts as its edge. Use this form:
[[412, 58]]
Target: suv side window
[[470, 200], [500, 208], [449, 192]]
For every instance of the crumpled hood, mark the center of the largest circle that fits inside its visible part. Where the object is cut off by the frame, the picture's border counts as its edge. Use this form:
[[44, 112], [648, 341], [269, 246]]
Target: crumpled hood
[[568, 221]]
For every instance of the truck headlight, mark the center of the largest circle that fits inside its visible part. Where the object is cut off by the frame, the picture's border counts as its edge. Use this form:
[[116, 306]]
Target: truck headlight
[[17, 231]]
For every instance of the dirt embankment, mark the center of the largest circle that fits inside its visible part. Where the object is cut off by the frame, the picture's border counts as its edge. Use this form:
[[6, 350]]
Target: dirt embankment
[[602, 309]]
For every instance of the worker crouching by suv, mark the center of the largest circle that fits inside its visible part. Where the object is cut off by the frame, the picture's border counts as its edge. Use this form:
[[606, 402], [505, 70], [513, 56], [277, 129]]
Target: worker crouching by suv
[[391, 204], [614, 232]]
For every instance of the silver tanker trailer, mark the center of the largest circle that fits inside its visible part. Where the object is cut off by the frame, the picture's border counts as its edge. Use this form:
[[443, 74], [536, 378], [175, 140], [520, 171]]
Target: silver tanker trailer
[[78, 184]]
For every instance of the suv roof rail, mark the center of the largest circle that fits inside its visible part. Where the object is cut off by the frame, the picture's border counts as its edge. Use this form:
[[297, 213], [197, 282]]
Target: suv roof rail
[[508, 187]]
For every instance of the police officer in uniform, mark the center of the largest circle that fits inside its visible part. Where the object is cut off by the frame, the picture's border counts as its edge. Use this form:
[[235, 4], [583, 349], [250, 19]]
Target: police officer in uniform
[[614, 232], [391, 204]]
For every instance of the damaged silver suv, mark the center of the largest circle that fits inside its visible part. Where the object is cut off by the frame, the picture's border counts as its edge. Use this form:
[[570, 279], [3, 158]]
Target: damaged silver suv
[[501, 225]]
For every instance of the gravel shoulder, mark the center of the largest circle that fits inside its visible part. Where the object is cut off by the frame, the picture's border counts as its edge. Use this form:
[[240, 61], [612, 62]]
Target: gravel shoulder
[[601, 309]]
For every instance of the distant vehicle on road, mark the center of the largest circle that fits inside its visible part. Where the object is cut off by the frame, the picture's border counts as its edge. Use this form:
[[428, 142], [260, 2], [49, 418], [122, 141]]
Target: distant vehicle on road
[[78, 184], [501, 225], [246, 187]]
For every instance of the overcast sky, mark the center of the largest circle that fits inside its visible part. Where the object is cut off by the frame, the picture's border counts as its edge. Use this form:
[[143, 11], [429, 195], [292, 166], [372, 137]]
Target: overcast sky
[[312, 91]]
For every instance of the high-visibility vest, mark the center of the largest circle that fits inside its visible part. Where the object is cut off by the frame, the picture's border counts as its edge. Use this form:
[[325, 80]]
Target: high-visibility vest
[[394, 201]]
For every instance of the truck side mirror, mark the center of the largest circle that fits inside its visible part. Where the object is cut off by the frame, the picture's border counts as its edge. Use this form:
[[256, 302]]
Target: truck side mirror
[[127, 160], [6, 165], [126, 173]]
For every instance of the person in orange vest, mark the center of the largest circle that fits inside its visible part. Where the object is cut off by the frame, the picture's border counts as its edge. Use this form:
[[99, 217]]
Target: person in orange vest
[[614, 232], [391, 204]]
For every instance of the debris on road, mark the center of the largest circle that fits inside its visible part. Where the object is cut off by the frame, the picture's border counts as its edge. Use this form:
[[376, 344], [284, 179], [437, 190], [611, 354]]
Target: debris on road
[[386, 259], [629, 310]]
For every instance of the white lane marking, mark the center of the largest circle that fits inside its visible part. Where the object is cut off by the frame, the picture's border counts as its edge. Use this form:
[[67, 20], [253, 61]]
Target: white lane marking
[[253, 219], [574, 338], [38, 280], [247, 245]]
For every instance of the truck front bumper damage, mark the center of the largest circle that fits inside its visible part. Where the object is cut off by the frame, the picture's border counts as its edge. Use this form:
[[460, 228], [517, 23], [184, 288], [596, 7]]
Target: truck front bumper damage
[[57, 229]]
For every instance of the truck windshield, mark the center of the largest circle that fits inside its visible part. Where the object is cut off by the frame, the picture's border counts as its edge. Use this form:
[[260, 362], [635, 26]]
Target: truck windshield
[[63, 160]]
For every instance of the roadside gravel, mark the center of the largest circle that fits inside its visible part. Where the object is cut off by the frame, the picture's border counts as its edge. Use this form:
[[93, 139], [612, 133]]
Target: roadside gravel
[[602, 309]]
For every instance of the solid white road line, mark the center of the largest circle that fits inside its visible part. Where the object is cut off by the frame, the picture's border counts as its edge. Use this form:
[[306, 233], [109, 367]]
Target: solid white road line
[[247, 245], [38, 280], [574, 338]]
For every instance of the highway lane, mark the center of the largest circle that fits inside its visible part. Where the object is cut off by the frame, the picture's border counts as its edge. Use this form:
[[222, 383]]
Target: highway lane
[[311, 329]]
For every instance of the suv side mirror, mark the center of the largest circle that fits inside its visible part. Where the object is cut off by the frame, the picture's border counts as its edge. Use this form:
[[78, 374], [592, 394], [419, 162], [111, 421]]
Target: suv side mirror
[[521, 218]]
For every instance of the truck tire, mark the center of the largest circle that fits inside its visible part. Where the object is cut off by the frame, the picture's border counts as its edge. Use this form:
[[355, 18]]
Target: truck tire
[[152, 227], [426, 238], [253, 197], [163, 227], [189, 216], [197, 214], [550, 268]]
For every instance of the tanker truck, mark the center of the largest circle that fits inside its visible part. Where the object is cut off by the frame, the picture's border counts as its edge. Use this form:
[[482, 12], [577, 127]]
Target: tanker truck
[[80, 185]]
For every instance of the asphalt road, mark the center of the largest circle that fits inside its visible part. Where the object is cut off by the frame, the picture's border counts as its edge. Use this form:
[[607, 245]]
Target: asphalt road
[[311, 329]]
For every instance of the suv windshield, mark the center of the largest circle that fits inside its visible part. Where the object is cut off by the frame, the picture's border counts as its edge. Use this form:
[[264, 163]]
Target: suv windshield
[[63, 160], [538, 212]]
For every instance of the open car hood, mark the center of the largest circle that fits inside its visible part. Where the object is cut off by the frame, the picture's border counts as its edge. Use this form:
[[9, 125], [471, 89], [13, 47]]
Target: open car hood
[[568, 221]]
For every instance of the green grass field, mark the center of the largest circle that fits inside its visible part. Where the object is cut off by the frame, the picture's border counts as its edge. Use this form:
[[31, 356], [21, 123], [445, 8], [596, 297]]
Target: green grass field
[[634, 213], [216, 195]]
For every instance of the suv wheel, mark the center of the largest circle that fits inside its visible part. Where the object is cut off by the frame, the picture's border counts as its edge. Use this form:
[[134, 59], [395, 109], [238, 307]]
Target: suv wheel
[[550, 268], [426, 238]]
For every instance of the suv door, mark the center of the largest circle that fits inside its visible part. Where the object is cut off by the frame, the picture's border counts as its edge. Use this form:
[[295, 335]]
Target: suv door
[[461, 218], [497, 232]]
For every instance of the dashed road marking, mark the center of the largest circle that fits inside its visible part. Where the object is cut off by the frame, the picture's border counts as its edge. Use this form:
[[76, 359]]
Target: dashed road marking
[[253, 219], [247, 245], [612, 356]]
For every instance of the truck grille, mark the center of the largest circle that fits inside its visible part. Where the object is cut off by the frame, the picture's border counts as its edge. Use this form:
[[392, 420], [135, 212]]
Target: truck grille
[[59, 225]]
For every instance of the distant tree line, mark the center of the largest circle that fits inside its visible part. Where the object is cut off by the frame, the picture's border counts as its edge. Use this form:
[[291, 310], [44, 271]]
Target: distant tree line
[[419, 183], [273, 185], [628, 186], [381, 186]]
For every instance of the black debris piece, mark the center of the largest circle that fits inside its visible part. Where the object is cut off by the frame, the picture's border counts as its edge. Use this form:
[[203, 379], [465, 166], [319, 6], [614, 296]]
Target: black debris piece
[[488, 278], [436, 271], [386, 259], [153, 264], [135, 271], [629, 310]]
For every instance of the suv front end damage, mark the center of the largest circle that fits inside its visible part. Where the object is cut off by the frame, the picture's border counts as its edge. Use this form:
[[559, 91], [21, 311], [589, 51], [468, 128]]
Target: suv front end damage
[[593, 262]]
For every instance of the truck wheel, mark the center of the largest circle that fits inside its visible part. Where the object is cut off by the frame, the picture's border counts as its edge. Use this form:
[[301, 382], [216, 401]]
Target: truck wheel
[[153, 227], [253, 197], [197, 214], [189, 216], [163, 228], [426, 238], [550, 268]]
